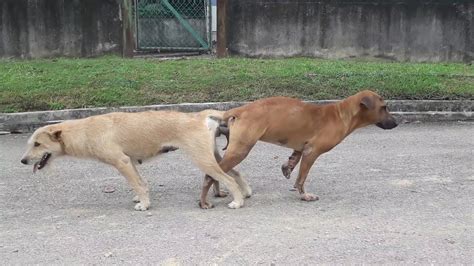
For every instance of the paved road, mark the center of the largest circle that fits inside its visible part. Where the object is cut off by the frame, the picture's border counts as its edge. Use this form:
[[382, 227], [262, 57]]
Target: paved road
[[400, 196]]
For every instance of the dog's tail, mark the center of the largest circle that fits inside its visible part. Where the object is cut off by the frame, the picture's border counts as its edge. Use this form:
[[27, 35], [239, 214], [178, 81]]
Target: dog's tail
[[223, 118], [221, 127], [231, 114]]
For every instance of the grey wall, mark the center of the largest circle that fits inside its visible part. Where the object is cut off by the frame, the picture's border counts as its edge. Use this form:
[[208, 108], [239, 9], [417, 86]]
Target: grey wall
[[47, 28], [405, 30], [169, 33]]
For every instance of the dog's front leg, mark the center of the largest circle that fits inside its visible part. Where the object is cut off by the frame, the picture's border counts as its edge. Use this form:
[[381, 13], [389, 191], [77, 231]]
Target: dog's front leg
[[309, 156], [288, 167], [127, 168]]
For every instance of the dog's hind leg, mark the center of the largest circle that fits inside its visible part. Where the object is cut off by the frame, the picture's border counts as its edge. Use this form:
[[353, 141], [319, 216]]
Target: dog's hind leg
[[126, 167], [228, 181], [208, 182], [233, 156], [243, 185], [206, 185], [241, 141], [218, 193], [236, 152], [202, 154]]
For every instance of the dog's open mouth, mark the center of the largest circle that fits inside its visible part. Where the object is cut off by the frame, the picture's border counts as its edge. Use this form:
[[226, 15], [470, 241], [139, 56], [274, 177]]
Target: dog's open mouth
[[42, 163]]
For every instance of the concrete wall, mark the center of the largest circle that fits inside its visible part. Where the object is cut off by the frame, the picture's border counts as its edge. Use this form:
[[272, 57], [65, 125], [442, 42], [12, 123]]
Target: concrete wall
[[47, 28], [404, 30], [169, 32]]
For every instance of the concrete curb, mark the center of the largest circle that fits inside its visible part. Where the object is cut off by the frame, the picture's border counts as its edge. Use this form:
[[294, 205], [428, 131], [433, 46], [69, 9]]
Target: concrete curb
[[403, 110]]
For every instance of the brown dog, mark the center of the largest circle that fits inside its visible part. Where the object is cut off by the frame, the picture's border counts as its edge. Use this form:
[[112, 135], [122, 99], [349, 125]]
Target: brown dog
[[310, 130]]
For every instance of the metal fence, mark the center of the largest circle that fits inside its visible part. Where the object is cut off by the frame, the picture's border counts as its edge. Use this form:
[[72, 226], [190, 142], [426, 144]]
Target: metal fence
[[173, 24]]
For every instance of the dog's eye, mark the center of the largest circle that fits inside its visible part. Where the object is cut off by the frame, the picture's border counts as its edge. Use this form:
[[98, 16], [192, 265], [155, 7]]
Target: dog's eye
[[37, 144]]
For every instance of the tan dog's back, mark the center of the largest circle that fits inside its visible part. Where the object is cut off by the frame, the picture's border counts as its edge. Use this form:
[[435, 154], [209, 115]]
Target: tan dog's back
[[139, 134]]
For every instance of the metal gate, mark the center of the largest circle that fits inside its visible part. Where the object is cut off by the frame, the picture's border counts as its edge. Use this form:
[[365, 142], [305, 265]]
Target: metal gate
[[173, 24]]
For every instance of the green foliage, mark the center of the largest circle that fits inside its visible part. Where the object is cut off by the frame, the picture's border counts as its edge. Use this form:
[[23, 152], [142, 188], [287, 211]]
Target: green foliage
[[112, 81]]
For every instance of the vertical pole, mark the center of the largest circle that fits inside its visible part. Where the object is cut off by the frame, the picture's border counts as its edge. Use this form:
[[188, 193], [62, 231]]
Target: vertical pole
[[209, 24], [222, 28], [135, 25], [127, 28]]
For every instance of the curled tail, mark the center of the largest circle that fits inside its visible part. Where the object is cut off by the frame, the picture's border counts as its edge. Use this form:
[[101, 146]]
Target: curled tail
[[223, 119], [231, 114], [227, 117], [220, 128]]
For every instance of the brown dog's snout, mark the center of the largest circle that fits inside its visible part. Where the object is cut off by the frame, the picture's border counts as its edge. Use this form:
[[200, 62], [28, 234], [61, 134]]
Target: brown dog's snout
[[24, 161], [388, 123]]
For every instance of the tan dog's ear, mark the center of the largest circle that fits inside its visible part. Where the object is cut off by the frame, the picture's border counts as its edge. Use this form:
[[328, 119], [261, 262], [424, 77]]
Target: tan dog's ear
[[55, 135], [367, 102]]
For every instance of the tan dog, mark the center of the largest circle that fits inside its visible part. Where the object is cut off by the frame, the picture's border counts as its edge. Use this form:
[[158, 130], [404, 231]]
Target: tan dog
[[310, 130], [125, 139]]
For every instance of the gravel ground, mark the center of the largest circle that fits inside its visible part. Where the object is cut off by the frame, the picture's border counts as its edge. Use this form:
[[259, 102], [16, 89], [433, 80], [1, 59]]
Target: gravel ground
[[399, 196]]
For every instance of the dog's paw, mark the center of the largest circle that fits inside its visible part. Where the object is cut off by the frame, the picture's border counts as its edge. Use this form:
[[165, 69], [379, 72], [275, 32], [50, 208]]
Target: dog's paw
[[309, 197], [286, 170], [221, 194], [235, 205], [136, 199], [205, 205], [247, 193], [141, 207]]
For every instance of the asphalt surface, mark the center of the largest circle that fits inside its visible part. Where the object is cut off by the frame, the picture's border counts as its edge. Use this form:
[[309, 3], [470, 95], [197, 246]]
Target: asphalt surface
[[399, 196]]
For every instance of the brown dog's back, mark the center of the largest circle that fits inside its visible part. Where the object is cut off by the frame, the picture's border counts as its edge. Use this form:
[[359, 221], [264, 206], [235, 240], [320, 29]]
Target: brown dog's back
[[274, 119]]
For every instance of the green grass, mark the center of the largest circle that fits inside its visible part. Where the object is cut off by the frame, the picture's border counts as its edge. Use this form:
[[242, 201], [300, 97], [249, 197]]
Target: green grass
[[112, 81]]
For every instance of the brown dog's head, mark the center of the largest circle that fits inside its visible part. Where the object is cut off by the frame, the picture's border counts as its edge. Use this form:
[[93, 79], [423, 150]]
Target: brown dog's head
[[43, 145], [373, 110]]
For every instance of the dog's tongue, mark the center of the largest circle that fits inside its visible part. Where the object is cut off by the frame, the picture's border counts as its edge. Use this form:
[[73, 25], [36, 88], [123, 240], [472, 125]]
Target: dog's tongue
[[35, 167]]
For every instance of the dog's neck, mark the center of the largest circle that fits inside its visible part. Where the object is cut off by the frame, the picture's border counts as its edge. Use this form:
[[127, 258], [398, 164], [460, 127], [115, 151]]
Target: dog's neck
[[69, 148], [348, 110], [63, 146]]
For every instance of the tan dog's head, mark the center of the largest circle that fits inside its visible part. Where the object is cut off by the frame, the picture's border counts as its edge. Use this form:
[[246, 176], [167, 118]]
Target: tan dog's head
[[43, 145], [373, 110]]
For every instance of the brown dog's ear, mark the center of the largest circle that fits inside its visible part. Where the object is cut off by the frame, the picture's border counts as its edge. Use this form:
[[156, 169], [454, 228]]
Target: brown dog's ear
[[55, 135], [367, 102]]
